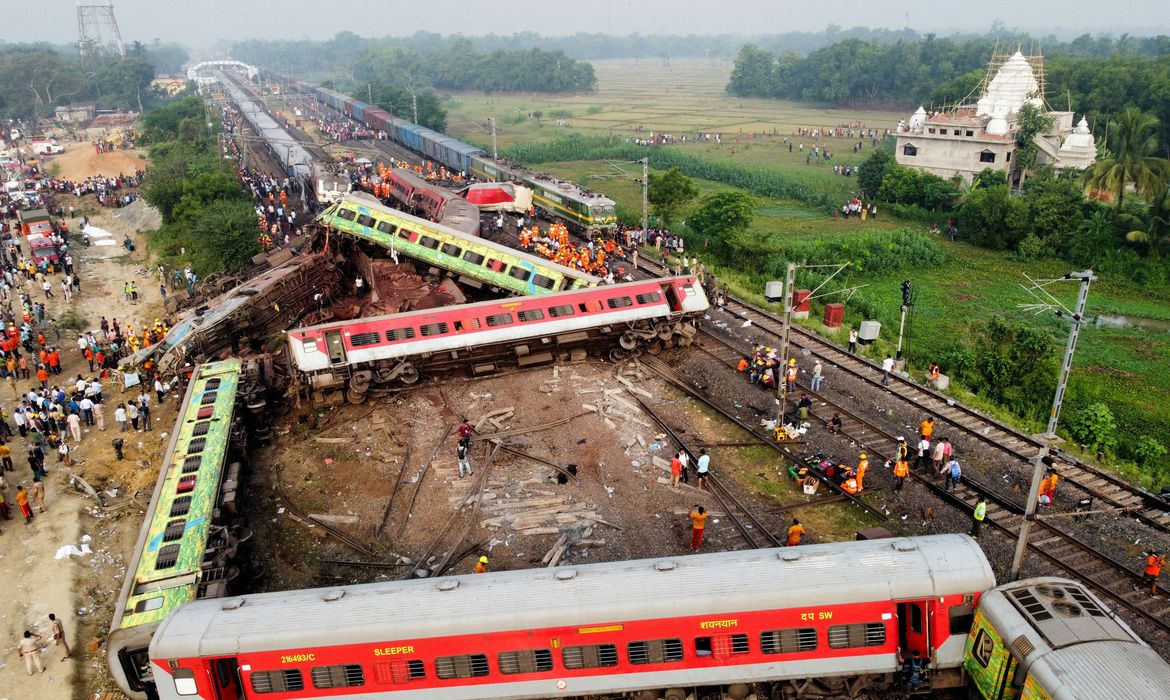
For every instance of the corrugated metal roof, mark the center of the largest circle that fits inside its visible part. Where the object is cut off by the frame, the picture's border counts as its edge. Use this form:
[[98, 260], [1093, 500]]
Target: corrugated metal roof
[[840, 573], [1100, 670]]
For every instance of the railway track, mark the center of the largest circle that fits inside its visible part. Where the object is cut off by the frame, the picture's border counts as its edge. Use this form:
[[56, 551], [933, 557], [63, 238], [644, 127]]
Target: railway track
[[1111, 577], [1114, 492], [750, 525]]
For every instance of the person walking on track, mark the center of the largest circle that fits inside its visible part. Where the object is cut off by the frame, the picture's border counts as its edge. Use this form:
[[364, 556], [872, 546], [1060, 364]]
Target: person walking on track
[[698, 517]]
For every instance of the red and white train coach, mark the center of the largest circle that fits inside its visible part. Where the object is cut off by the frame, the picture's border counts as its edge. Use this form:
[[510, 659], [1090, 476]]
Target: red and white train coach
[[835, 613], [485, 335]]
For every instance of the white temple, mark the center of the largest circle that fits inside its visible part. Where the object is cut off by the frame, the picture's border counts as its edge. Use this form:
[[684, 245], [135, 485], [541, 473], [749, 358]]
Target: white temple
[[967, 139]]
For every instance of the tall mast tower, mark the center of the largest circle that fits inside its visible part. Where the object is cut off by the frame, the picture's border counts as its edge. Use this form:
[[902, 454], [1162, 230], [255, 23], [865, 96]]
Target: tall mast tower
[[97, 30]]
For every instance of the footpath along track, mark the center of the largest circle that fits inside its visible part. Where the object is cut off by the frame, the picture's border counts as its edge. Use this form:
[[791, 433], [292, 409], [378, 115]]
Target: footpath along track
[[1101, 570], [1108, 489]]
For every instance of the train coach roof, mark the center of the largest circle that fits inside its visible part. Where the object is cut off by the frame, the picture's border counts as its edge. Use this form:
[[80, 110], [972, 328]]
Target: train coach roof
[[1092, 670], [741, 581]]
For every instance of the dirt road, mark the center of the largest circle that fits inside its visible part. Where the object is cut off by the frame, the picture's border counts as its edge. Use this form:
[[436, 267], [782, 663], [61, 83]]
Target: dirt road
[[80, 589]]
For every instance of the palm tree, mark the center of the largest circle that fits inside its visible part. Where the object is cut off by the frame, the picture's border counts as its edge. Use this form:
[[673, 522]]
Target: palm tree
[[1157, 233], [1130, 160]]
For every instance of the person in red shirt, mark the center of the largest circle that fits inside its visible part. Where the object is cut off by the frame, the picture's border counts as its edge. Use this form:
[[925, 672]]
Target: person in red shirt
[[675, 471], [465, 429], [698, 517]]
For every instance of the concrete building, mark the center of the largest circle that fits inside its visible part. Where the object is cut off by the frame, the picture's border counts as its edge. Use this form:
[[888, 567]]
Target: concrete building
[[966, 139]]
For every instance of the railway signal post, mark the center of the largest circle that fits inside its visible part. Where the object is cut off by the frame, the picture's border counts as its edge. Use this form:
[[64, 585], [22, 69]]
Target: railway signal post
[[1047, 301]]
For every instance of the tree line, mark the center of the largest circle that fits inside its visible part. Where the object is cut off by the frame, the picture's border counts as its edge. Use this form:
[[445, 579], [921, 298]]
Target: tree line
[[450, 65], [208, 218], [37, 78], [1093, 76]]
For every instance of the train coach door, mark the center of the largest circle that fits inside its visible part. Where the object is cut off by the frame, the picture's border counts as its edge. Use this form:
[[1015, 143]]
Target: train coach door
[[336, 347], [914, 628], [225, 678]]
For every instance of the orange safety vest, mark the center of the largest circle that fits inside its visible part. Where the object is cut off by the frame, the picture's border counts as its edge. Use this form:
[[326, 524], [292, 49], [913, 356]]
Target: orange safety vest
[[1154, 564], [901, 468], [791, 374]]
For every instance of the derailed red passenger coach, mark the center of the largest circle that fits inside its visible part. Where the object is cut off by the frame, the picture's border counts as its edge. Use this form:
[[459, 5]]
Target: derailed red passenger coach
[[820, 611], [485, 336]]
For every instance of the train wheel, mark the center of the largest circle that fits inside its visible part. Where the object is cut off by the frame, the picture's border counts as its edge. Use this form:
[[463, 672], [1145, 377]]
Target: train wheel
[[409, 375], [628, 341], [618, 354], [654, 347], [664, 331], [359, 383]]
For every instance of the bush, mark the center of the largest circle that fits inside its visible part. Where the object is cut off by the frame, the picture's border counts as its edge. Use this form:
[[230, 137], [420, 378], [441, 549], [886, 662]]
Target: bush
[[1095, 428], [559, 114]]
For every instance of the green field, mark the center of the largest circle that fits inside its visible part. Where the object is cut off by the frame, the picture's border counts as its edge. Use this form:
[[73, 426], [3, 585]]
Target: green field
[[1126, 368]]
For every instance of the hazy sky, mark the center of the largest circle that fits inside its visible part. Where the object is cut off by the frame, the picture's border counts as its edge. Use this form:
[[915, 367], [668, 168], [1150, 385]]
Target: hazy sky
[[201, 22]]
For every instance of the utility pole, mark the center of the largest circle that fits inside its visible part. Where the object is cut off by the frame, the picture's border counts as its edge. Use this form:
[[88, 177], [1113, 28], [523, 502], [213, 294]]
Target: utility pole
[[781, 383], [645, 195], [1038, 464], [495, 153], [902, 323], [414, 104]]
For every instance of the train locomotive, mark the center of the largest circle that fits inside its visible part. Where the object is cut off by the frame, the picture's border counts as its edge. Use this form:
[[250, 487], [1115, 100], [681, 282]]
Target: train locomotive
[[582, 210], [485, 336]]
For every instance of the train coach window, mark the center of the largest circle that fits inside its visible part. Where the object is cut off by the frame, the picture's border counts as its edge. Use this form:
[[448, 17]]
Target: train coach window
[[201, 428], [520, 273], [649, 298], [469, 324], [184, 681], [463, 666], [788, 641], [721, 645], [401, 671], [530, 315], [861, 634], [339, 676], [428, 242], [962, 617], [208, 397], [400, 334], [433, 329], [168, 556], [148, 604], [562, 310], [212, 384], [619, 302], [589, 656], [407, 235], [180, 506], [452, 250], [365, 220], [387, 227], [591, 306], [499, 320], [191, 465], [360, 340], [544, 282], [174, 530], [655, 651], [347, 214], [286, 681], [472, 257], [525, 661], [496, 266], [197, 445]]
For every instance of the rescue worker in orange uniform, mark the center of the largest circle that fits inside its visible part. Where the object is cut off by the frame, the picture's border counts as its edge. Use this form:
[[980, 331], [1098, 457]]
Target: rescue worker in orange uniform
[[926, 427], [1154, 562], [795, 531], [901, 471], [481, 565], [862, 468]]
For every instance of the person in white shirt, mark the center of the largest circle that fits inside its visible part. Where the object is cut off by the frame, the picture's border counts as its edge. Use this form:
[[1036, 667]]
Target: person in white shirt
[[887, 367]]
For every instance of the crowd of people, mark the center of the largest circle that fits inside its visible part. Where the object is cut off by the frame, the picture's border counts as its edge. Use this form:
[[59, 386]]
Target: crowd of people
[[346, 129]]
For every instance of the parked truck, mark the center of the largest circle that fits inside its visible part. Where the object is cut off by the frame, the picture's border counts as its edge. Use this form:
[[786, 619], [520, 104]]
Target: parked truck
[[47, 147]]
